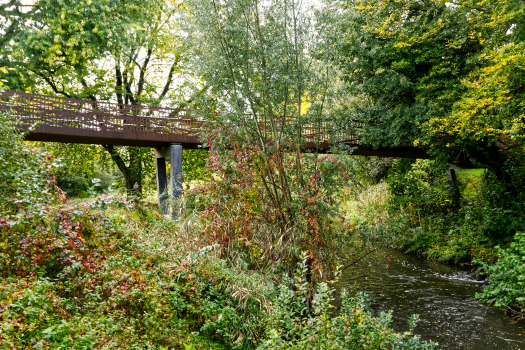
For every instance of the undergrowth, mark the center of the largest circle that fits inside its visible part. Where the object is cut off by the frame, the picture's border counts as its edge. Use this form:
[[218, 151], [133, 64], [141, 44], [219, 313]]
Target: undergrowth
[[104, 274], [414, 210]]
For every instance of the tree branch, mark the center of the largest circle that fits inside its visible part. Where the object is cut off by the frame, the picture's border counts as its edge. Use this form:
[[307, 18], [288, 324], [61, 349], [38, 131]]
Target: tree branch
[[143, 72], [170, 79], [50, 82], [127, 87], [85, 85], [118, 87]]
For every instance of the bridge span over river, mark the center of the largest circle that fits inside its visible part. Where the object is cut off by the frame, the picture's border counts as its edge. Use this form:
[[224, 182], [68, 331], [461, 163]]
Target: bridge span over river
[[168, 130]]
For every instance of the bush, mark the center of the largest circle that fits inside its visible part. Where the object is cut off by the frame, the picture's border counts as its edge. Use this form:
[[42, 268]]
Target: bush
[[26, 175], [506, 278], [33, 315], [421, 185], [82, 185], [73, 185], [421, 214], [264, 207]]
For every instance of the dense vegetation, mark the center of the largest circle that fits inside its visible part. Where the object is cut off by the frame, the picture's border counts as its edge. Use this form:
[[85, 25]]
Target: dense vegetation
[[447, 76], [101, 274], [252, 259]]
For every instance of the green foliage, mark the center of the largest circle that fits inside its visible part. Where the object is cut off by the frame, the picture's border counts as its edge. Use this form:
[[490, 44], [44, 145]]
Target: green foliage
[[506, 286], [234, 47], [71, 278], [142, 296], [493, 106], [3, 70], [34, 316], [472, 180], [420, 221], [404, 59], [421, 184], [419, 211], [82, 186], [41, 235], [406, 65], [194, 165], [26, 174], [79, 165], [446, 75], [64, 46]]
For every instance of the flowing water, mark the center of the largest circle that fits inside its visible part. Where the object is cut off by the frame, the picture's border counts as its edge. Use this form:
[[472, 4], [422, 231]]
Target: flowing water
[[442, 295]]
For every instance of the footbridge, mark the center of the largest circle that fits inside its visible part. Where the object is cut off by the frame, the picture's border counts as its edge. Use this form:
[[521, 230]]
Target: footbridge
[[168, 130]]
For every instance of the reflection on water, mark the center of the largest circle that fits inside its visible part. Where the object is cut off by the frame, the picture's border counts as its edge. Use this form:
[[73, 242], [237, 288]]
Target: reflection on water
[[442, 296]]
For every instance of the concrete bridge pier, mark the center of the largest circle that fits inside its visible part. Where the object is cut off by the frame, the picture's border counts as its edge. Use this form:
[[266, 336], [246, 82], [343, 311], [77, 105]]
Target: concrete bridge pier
[[174, 152]]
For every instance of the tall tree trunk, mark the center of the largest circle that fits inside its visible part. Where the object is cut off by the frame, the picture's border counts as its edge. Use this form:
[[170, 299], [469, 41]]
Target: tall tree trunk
[[134, 175]]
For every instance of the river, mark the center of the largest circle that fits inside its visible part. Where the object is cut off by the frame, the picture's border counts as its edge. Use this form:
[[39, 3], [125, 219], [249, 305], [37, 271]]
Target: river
[[441, 294]]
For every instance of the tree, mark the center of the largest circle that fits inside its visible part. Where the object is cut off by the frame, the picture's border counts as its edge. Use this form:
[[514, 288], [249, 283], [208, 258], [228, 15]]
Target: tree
[[404, 59], [447, 76], [254, 57], [125, 51], [14, 14], [493, 105]]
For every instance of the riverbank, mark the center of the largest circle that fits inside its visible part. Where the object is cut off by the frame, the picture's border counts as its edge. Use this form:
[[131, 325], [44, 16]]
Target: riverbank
[[450, 237], [413, 212], [136, 280]]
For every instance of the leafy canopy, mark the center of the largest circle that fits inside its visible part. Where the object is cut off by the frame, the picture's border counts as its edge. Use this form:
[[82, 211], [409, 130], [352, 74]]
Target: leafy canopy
[[423, 70]]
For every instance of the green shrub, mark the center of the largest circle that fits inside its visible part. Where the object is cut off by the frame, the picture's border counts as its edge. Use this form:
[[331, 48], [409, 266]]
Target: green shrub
[[421, 185], [33, 316], [507, 277], [73, 184], [472, 181], [26, 174], [82, 185], [422, 216], [194, 165]]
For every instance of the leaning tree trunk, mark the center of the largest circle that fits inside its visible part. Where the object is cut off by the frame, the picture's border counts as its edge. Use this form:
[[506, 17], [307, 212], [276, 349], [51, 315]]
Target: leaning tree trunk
[[133, 173]]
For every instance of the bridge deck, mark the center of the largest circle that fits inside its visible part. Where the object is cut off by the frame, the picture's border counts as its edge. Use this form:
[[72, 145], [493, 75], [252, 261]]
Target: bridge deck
[[60, 119]]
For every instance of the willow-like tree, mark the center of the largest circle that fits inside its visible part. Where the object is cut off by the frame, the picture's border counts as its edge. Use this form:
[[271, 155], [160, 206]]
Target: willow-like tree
[[110, 50], [254, 57]]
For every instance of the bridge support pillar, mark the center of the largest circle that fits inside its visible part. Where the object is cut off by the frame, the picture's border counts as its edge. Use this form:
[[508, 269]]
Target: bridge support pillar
[[162, 182], [174, 152]]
